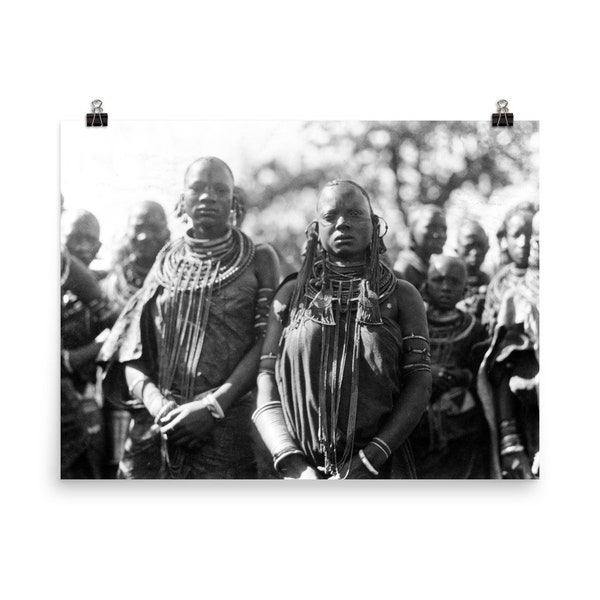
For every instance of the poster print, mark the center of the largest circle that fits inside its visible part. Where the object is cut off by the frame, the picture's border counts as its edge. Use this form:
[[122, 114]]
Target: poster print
[[314, 300]]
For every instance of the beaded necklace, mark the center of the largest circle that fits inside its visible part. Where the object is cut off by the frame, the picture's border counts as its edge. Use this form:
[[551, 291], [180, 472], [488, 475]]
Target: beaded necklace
[[446, 327], [341, 300], [346, 287], [189, 272], [189, 260]]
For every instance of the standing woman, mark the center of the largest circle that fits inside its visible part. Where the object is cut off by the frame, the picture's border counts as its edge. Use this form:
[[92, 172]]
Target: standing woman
[[344, 374], [186, 347]]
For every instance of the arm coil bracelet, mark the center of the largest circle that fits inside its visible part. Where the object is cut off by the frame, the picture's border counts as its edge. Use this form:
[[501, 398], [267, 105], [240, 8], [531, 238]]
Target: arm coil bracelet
[[264, 372], [270, 422], [417, 354], [511, 449], [261, 316], [382, 446]]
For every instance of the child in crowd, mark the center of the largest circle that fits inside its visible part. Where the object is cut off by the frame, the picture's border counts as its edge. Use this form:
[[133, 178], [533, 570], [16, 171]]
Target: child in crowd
[[472, 247], [452, 440]]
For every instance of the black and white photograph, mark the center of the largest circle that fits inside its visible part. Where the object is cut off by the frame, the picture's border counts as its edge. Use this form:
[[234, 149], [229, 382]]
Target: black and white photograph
[[300, 300]]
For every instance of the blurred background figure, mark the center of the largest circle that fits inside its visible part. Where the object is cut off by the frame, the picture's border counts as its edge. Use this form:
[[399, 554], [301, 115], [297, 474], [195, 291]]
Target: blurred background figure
[[80, 232], [85, 313], [452, 440], [503, 255], [472, 248], [518, 228], [147, 232], [427, 228], [509, 376]]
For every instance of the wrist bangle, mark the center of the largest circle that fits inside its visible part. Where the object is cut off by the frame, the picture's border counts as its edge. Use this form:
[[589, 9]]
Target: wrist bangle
[[511, 450], [365, 461], [284, 454], [508, 427], [66, 357], [214, 408], [142, 379], [510, 441]]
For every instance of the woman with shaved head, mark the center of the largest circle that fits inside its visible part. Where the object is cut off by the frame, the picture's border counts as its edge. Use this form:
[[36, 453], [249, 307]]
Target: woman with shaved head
[[80, 234], [472, 246], [427, 226], [147, 232], [184, 354], [344, 375]]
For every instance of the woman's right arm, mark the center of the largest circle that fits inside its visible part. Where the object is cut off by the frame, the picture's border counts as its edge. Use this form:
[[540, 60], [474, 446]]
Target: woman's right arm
[[268, 417]]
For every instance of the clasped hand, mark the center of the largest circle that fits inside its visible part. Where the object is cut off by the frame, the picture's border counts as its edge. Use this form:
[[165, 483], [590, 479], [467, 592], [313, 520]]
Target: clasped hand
[[186, 424], [443, 378], [515, 465]]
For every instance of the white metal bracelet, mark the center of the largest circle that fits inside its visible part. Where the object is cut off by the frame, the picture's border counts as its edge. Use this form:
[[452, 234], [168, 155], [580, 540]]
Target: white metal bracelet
[[365, 461], [213, 406]]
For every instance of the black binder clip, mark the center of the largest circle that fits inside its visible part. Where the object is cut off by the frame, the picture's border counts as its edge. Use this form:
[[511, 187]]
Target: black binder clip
[[97, 118], [502, 118]]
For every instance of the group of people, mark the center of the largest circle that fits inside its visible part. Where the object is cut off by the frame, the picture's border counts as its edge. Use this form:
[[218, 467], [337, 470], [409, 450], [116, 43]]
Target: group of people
[[191, 358]]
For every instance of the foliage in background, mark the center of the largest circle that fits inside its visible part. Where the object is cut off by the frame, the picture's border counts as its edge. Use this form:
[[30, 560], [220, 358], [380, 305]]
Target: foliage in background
[[468, 168]]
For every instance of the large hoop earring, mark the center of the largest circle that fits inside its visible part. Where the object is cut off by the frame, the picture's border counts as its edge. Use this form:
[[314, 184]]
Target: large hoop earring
[[386, 225], [179, 212]]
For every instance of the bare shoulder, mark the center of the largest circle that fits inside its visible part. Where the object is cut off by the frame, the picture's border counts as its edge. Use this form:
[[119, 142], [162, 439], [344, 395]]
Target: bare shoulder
[[266, 255], [411, 308], [407, 294], [266, 263]]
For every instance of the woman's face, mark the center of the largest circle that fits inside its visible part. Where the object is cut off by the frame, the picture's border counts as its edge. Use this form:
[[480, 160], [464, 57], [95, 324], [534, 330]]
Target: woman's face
[[472, 248], [148, 233], [518, 238], [534, 251], [208, 197], [429, 233], [82, 239], [345, 223]]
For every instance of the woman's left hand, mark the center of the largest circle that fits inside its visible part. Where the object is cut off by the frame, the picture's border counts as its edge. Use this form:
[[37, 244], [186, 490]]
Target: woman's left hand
[[187, 424], [358, 469]]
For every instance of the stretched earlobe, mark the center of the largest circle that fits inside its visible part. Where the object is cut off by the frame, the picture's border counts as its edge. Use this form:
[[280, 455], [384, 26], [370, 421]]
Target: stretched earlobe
[[379, 219], [233, 219], [179, 207]]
